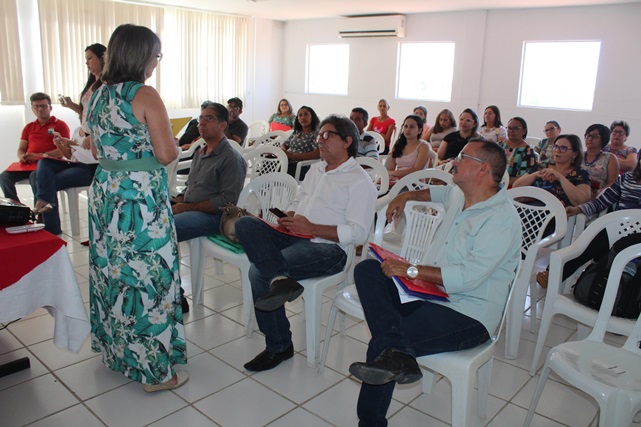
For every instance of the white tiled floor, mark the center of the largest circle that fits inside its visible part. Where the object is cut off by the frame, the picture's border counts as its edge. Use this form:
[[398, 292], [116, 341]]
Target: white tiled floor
[[65, 389]]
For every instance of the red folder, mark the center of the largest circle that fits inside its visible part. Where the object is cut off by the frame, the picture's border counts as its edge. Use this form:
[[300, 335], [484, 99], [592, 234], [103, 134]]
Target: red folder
[[286, 231], [415, 287], [22, 167]]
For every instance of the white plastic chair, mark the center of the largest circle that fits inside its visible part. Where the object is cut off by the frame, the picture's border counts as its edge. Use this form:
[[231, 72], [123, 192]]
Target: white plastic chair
[[257, 128], [432, 159], [313, 300], [265, 159], [73, 195], [377, 172], [177, 185], [299, 168], [532, 141], [418, 240], [559, 298], [609, 374], [274, 190], [275, 138], [534, 221], [380, 141], [418, 180]]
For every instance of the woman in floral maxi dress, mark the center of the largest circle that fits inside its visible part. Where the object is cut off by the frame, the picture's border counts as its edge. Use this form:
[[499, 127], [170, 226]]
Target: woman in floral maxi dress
[[136, 316]]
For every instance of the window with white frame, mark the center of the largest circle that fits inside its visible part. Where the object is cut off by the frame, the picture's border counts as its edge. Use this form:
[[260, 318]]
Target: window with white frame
[[418, 77], [568, 84], [327, 68]]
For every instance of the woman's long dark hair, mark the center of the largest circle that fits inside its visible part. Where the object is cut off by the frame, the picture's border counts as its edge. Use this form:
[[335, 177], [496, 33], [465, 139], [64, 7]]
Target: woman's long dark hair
[[315, 120], [437, 128], [401, 142], [98, 50]]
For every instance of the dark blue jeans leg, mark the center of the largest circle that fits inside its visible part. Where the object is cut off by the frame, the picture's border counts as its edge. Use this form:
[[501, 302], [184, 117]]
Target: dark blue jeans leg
[[192, 224], [274, 254], [418, 328], [8, 183], [53, 176]]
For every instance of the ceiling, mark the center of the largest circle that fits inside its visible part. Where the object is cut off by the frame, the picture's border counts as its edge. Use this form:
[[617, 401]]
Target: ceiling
[[285, 10]]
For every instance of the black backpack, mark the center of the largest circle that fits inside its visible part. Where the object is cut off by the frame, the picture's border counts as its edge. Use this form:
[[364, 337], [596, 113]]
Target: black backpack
[[590, 287]]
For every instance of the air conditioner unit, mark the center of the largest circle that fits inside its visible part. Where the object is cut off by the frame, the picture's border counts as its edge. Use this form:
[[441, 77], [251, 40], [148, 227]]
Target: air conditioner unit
[[372, 26]]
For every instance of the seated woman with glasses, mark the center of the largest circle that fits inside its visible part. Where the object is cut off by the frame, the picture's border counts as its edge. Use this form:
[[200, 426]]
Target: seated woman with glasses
[[552, 130], [454, 142], [410, 153], [520, 156], [565, 179], [302, 144], [627, 155], [283, 119], [602, 167]]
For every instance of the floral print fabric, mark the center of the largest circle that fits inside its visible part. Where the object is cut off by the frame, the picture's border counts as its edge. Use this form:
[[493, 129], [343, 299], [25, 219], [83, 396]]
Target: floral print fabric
[[136, 315]]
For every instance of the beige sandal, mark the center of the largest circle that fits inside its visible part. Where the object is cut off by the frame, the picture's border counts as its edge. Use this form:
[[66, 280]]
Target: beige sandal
[[181, 378], [542, 278]]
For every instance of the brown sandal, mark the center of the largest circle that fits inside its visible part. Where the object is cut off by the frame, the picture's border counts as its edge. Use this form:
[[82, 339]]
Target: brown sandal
[[542, 278]]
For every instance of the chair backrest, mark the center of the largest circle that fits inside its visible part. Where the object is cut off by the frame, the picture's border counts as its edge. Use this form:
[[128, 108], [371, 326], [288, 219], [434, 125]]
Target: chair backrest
[[380, 141], [609, 298], [422, 220], [196, 145], [172, 169], [273, 190], [265, 159], [418, 180], [257, 128], [537, 208], [275, 138], [532, 141], [378, 173], [432, 159]]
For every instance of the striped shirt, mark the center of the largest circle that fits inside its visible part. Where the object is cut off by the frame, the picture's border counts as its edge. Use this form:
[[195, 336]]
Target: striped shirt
[[625, 193]]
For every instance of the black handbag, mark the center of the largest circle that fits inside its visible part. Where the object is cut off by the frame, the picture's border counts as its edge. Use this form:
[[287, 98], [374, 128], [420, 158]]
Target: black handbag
[[12, 212]]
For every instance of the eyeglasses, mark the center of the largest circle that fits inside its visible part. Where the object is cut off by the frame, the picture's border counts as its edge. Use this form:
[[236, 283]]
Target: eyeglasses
[[546, 130], [592, 136], [207, 119], [462, 156], [40, 106], [325, 135], [159, 57], [618, 132], [560, 148], [514, 128], [232, 107]]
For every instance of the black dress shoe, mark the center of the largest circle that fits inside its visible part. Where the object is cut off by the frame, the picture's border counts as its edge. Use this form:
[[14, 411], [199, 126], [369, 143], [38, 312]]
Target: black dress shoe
[[183, 301], [280, 292], [268, 360], [390, 365]]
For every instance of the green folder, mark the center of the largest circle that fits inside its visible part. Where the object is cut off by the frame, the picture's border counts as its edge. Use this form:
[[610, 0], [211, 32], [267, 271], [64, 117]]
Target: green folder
[[223, 241]]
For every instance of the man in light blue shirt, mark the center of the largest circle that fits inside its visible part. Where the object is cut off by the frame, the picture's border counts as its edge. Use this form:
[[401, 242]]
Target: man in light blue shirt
[[476, 263]]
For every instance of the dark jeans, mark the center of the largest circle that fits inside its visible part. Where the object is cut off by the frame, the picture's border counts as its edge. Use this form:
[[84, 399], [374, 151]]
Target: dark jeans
[[417, 328], [274, 254], [8, 183], [53, 176], [192, 224]]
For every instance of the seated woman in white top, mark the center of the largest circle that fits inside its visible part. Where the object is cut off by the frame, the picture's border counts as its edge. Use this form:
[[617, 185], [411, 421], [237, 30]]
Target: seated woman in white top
[[492, 128], [445, 124], [410, 154]]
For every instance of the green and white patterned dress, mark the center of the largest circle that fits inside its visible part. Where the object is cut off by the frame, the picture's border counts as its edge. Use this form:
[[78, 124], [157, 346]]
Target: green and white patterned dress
[[134, 280]]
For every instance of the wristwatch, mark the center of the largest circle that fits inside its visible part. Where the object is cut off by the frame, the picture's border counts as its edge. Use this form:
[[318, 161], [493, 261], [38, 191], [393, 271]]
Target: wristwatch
[[412, 271]]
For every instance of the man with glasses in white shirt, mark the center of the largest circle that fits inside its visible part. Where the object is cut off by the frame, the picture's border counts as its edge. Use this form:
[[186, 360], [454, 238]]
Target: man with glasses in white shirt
[[335, 204], [36, 142]]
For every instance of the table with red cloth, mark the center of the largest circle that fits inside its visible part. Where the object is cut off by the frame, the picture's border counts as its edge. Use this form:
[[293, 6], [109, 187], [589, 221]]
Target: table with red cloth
[[36, 271]]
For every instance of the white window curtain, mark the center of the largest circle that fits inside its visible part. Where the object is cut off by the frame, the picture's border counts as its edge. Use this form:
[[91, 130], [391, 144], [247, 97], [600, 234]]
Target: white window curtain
[[205, 54], [205, 58], [11, 91], [69, 26]]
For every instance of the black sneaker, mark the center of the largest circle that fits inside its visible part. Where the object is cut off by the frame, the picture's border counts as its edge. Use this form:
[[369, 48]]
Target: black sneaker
[[390, 365], [280, 292]]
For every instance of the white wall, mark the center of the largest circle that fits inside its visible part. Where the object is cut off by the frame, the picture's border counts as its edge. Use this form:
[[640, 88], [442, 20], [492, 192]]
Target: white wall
[[487, 63]]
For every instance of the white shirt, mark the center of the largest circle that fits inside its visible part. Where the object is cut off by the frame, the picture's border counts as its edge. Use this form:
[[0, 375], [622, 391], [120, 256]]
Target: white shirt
[[345, 197]]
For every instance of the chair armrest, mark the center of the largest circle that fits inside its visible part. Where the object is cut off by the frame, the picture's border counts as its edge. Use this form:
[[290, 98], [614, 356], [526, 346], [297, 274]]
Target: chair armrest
[[300, 165]]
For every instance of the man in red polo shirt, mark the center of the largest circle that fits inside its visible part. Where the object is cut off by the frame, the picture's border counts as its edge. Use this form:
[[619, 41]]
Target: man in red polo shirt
[[35, 143]]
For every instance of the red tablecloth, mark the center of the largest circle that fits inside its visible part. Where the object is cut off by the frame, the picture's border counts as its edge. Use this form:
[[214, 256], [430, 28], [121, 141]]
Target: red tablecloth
[[21, 253]]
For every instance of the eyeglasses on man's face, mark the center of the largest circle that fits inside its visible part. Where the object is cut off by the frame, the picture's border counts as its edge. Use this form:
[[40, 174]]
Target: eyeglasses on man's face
[[560, 148], [40, 106], [324, 136], [462, 156], [206, 119]]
